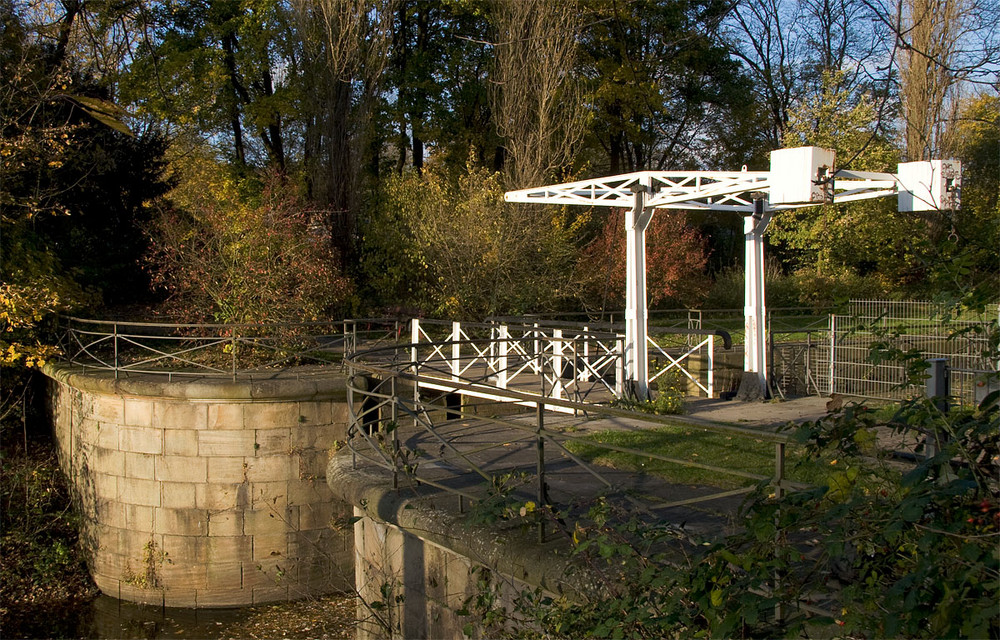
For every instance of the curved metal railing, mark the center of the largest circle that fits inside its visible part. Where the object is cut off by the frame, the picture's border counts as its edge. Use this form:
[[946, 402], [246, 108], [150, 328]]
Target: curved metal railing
[[215, 350], [458, 432]]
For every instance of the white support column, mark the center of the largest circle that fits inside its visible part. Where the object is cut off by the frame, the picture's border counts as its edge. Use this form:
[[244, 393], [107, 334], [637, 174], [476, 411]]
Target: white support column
[[503, 345], [584, 374], [754, 384], [456, 349], [414, 341], [557, 363], [636, 355]]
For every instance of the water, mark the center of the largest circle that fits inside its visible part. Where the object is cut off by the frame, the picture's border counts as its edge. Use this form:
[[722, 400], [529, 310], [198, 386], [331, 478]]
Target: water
[[108, 618]]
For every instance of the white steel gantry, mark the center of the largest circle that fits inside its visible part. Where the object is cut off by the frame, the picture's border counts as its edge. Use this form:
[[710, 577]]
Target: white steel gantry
[[798, 177]]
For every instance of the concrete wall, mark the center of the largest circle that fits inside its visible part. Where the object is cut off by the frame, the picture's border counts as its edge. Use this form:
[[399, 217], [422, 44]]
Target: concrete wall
[[205, 493], [423, 571]]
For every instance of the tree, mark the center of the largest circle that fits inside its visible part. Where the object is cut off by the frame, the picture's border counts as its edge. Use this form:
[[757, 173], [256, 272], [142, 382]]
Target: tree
[[965, 253], [72, 173], [849, 242], [236, 49], [537, 100], [663, 84], [344, 52], [932, 27], [452, 247], [245, 253], [675, 262]]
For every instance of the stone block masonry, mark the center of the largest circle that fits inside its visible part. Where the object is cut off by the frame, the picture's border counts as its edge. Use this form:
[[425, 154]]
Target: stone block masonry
[[205, 493], [423, 571]]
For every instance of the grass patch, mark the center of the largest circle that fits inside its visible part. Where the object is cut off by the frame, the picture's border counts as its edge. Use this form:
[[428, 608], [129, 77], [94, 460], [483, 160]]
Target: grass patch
[[699, 446]]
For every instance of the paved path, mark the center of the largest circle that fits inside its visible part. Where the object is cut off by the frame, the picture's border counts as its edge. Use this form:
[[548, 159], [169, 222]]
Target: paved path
[[509, 446], [757, 414]]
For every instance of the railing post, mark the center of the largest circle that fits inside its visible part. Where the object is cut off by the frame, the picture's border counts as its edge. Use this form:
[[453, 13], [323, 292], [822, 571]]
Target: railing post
[[394, 417], [619, 367], [711, 366], [808, 360], [833, 342], [415, 366], [456, 349], [585, 375], [557, 363], [116, 350], [414, 340], [232, 348], [779, 492], [540, 463], [503, 345], [535, 334], [492, 364], [351, 412]]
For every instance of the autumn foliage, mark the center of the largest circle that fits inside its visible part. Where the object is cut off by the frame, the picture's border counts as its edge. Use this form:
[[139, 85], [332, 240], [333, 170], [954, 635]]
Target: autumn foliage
[[234, 258], [675, 262]]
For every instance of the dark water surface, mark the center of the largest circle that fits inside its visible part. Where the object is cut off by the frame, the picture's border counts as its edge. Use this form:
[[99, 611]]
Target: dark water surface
[[106, 618]]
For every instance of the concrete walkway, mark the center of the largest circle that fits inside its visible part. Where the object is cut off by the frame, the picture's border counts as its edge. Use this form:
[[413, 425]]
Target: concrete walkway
[[757, 414]]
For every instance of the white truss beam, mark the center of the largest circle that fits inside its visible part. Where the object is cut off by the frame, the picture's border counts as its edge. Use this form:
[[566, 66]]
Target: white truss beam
[[808, 170]]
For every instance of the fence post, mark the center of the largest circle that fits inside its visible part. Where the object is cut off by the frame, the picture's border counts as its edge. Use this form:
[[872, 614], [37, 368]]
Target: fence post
[[833, 343], [557, 363], [937, 387], [414, 340], [779, 492], [585, 375], [394, 417], [620, 367], [116, 350], [808, 361], [711, 366], [503, 345], [540, 463], [415, 366], [351, 413], [535, 333], [456, 349], [232, 348]]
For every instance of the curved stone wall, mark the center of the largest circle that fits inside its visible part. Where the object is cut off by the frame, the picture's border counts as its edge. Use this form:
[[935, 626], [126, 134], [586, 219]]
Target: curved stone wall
[[205, 493]]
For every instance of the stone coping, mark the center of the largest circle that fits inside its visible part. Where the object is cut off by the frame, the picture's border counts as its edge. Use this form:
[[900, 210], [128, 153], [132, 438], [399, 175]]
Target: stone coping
[[302, 383], [509, 549]]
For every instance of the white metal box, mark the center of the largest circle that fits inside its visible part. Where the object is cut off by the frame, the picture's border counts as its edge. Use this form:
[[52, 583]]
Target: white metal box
[[929, 185], [802, 174]]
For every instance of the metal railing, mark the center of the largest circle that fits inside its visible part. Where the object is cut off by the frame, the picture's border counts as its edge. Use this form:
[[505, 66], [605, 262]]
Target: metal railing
[[567, 359], [215, 350], [402, 420]]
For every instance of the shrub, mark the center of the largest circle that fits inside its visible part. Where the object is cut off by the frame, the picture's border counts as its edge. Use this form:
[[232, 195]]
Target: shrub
[[888, 552], [675, 261], [247, 258]]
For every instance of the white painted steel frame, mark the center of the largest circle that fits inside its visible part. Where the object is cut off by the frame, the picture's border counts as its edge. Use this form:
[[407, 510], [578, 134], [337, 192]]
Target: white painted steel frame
[[643, 192], [532, 350]]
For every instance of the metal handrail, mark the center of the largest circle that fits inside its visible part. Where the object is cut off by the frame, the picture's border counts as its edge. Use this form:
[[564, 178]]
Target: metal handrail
[[215, 349], [378, 406]]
